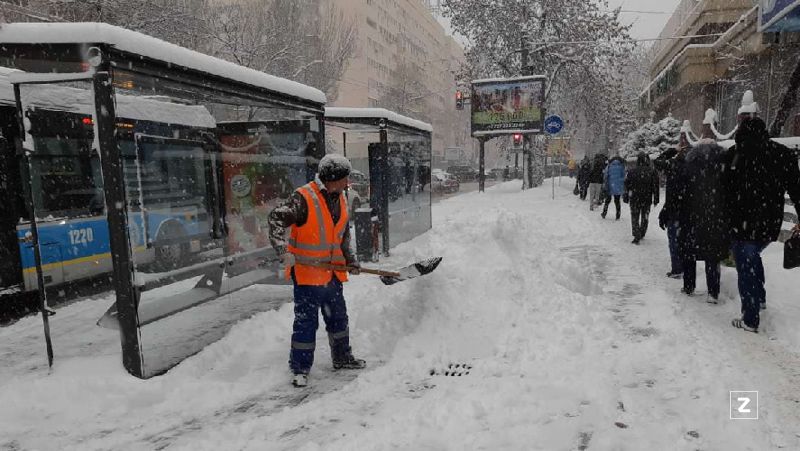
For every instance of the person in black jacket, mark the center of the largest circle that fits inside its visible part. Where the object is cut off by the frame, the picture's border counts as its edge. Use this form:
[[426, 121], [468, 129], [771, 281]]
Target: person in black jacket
[[583, 177], [758, 174], [641, 188], [671, 163], [702, 216], [596, 180]]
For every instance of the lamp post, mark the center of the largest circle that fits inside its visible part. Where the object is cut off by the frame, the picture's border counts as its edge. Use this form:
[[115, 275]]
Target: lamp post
[[749, 108]]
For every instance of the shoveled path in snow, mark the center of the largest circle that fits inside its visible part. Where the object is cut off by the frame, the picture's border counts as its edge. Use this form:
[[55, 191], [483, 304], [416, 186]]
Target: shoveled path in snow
[[572, 339]]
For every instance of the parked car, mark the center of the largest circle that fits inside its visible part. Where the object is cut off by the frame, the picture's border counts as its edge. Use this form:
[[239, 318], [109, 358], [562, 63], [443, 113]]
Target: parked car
[[354, 200], [443, 182], [464, 173], [359, 183], [497, 173]]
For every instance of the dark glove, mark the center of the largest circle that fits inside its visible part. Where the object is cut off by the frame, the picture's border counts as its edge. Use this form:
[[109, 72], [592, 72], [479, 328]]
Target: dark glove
[[667, 154], [354, 268], [662, 220]]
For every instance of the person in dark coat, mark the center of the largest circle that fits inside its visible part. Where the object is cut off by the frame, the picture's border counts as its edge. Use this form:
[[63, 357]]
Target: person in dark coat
[[641, 189], [671, 163], [614, 184], [758, 174], [596, 180], [702, 216], [583, 177]]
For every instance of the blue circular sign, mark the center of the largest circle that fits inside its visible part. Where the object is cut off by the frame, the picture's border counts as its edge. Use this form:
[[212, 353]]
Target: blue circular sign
[[553, 124]]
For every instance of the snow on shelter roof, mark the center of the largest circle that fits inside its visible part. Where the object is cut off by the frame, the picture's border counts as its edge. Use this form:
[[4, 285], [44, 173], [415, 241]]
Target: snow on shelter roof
[[376, 113], [63, 98], [156, 49]]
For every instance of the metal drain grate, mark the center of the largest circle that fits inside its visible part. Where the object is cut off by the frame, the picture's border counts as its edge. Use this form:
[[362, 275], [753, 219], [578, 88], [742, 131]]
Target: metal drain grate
[[453, 369]]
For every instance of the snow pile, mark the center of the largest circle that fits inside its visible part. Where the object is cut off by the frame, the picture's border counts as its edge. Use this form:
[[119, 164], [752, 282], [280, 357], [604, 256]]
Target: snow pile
[[336, 113], [559, 333]]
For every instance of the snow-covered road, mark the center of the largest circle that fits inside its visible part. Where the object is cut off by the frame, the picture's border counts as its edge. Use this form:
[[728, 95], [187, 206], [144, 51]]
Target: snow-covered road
[[561, 333]]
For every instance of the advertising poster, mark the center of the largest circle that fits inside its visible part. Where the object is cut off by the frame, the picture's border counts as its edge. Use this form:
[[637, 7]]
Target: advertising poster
[[510, 105]]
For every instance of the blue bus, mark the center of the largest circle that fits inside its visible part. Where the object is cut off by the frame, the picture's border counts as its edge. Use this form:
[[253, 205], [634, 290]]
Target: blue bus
[[168, 182]]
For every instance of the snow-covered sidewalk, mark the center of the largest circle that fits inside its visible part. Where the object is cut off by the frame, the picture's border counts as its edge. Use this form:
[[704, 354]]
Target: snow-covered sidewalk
[[561, 333]]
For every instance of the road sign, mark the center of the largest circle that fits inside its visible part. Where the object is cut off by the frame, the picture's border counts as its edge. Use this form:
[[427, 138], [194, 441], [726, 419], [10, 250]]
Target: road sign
[[553, 124]]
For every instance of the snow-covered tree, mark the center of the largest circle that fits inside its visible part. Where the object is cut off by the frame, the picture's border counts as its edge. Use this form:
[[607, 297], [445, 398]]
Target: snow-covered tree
[[406, 92], [652, 138], [173, 21], [581, 47], [310, 41]]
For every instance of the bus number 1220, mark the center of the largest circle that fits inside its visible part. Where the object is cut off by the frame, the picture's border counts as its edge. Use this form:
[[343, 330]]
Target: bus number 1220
[[81, 236]]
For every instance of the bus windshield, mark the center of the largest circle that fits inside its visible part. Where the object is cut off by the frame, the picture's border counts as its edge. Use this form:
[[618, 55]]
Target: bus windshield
[[66, 177]]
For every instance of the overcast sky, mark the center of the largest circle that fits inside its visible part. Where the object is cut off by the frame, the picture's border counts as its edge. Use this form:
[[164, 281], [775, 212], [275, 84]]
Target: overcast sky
[[645, 25]]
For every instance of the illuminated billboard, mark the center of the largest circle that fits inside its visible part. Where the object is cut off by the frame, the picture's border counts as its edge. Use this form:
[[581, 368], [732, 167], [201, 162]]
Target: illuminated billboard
[[779, 15], [508, 105]]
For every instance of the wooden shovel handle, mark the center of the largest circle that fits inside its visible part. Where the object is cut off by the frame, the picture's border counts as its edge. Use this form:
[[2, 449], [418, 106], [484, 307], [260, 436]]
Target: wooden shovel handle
[[377, 272]]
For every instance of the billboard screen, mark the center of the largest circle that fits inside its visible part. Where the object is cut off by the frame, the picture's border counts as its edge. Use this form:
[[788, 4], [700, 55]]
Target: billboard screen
[[509, 105], [779, 15]]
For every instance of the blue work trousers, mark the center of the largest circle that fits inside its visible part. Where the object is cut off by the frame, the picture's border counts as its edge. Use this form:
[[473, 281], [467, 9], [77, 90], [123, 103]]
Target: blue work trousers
[[308, 301]]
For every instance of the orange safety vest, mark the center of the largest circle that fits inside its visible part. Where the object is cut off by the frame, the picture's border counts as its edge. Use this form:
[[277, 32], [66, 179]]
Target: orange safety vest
[[318, 240]]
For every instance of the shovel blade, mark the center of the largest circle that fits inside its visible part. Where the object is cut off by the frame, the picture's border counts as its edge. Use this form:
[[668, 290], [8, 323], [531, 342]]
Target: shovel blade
[[413, 270]]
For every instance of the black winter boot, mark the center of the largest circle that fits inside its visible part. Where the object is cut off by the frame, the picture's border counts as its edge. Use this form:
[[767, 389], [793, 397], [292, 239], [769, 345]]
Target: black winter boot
[[349, 362], [342, 355]]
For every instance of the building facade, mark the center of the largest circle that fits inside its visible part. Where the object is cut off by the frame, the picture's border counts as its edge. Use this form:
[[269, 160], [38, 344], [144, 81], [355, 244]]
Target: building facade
[[405, 62], [723, 56]]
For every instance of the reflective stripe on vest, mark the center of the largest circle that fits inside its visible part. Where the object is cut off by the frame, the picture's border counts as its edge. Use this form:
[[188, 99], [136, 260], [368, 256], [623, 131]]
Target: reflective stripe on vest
[[319, 240]]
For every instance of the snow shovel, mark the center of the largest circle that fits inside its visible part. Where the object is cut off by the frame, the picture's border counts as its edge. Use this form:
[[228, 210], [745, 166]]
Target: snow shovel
[[392, 277]]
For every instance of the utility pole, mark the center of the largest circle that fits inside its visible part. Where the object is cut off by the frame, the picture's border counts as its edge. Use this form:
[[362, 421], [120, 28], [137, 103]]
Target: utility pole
[[525, 70]]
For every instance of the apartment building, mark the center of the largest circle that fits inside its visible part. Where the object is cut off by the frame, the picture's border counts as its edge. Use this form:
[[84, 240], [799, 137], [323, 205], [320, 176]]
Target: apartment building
[[723, 56], [404, 51]]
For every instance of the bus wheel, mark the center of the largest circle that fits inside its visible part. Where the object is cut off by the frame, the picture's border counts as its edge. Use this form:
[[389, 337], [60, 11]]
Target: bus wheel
[[173, 255]]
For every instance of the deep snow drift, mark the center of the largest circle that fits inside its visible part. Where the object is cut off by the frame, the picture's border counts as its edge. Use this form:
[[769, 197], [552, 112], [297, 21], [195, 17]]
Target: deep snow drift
[[562, 334]]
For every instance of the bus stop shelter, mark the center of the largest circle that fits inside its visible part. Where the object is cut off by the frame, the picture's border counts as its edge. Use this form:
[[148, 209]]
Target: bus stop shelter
[[155, 166], [394, 151]]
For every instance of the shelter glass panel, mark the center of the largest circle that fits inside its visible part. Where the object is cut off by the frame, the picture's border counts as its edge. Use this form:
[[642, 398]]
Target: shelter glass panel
[[408, 185], [203, 169]]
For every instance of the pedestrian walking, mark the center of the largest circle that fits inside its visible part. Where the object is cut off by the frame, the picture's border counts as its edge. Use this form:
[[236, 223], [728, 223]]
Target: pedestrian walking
[[310, 229], [583, 177], [703, 232], [614, 183], [642, 191], [596, 180], [671, 163], [758, 174]]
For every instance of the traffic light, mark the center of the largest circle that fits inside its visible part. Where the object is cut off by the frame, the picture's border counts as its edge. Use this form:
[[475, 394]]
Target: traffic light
[[459, 100], [517, 140]]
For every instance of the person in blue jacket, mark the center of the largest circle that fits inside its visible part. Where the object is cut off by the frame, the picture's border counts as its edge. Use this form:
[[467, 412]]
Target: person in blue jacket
[[614, 183]]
